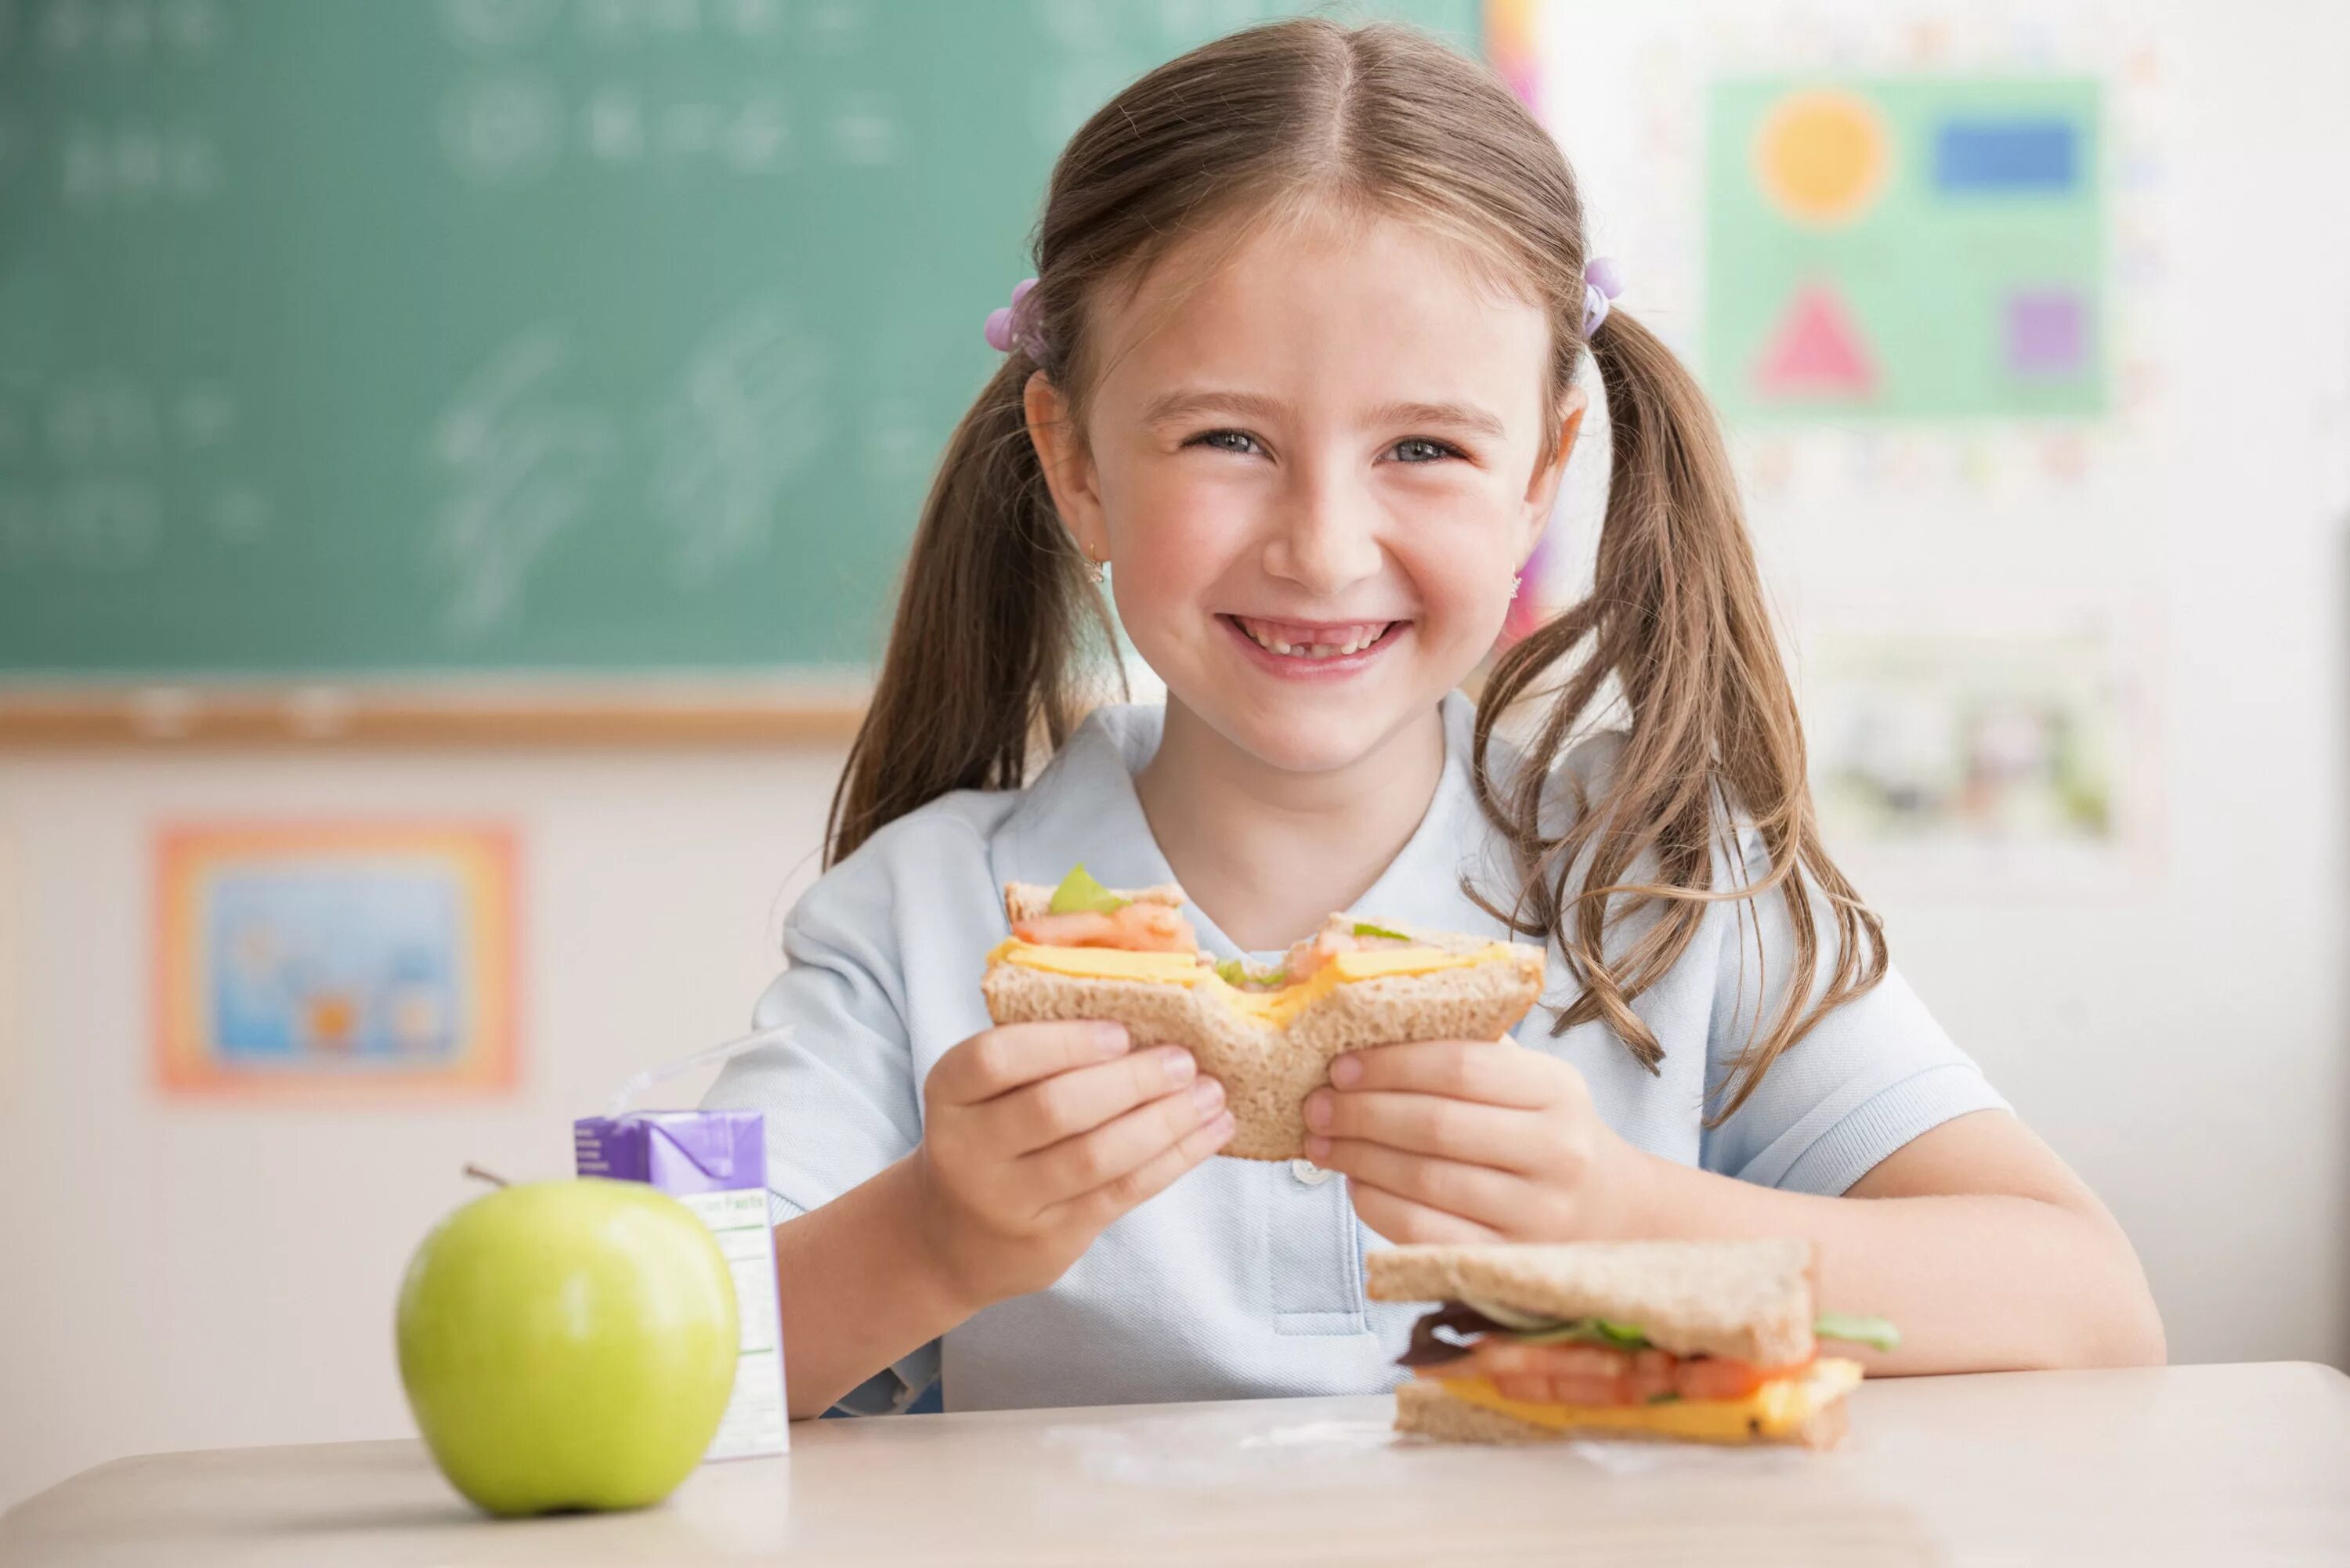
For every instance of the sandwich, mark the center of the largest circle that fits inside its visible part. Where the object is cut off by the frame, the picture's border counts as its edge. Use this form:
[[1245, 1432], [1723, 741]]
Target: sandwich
[[1266, 1032], [1712, 1342]]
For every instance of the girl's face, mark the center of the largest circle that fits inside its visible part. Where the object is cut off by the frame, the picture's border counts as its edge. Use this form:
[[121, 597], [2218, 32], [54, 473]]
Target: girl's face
[[1314, 476]]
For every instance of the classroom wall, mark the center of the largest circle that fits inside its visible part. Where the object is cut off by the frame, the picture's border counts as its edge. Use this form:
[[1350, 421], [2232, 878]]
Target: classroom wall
[[195, 1276], [181, 1276]]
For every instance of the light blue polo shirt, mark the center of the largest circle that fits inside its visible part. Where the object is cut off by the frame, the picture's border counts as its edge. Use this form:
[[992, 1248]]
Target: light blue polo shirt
[[1244, 1278]]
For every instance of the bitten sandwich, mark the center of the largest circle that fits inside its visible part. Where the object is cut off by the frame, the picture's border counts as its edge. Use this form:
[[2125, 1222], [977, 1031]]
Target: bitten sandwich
[[1712, 1342], [1082, 950]]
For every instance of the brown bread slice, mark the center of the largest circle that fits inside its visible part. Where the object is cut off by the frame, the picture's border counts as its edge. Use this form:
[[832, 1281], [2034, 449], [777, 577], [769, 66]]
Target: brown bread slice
[[1267, 1073], [1423, 1406], [1751, 1301]]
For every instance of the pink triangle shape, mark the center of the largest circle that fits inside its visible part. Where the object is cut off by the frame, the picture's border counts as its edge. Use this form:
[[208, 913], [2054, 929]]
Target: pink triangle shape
[[1816, 351]]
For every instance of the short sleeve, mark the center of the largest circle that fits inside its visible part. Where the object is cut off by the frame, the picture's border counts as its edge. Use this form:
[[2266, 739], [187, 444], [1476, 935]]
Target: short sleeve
[[839, 1097], [1871, 1075]]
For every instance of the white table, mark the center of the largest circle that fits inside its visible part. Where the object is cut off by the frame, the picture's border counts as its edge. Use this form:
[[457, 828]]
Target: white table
[[2204, 1465]]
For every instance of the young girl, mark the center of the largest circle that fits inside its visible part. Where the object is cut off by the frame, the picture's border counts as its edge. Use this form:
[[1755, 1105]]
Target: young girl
[[1299, 367]]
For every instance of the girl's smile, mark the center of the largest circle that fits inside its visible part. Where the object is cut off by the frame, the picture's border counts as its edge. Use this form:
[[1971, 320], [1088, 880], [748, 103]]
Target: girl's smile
[[1315, 651]]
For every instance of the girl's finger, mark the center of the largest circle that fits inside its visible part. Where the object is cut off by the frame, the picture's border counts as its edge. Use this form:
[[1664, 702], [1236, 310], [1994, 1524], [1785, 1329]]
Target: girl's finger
[[1403, 1222], [997, 1061], [1120, 1147], [1476, 1193], [1431, 1125], [1079, 1099], [1154, 1175], [1489, 1071]]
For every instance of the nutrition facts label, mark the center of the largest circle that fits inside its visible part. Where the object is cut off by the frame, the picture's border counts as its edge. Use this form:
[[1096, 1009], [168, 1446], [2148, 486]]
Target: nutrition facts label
[[756, 1420]]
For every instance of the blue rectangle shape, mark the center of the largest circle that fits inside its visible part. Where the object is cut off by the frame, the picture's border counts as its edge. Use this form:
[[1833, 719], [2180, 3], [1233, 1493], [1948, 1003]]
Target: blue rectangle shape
[[2033, 157]]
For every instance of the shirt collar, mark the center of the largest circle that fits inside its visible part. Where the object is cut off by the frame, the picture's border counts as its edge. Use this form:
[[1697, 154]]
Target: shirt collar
[[1083, 808]]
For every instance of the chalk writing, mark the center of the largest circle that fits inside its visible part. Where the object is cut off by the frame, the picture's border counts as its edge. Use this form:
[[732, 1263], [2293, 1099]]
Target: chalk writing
[[749, 408], [136, 164], [489, 27], [502, 128], [864, 131], [108, 523], [101, 418], [241, 514], [70, 34], [519, 465]]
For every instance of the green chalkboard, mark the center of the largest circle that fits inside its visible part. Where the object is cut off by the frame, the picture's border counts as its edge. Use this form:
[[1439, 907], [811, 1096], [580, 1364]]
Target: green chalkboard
[[576, 336]]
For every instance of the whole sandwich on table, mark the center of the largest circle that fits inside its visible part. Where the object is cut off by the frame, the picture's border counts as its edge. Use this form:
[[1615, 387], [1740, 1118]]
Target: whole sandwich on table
[[1267, 1033], [1706, 1341]]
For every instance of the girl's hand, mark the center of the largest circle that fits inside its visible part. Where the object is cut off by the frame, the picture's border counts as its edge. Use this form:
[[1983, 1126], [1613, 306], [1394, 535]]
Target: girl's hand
[[1466, 1140], [1038, 1135]]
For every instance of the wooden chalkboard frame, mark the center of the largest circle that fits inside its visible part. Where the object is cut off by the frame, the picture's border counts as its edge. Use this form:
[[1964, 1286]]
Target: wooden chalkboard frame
[[461, 713]]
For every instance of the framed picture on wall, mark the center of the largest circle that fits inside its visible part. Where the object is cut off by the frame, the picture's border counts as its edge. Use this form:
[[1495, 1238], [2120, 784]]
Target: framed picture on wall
[[2009, 752], [351, 962]]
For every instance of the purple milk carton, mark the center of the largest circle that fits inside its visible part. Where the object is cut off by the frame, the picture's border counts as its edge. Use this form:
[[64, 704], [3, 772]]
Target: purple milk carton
[[715, 1163]]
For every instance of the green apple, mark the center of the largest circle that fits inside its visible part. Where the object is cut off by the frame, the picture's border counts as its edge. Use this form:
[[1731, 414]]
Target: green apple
[[567, 1345]]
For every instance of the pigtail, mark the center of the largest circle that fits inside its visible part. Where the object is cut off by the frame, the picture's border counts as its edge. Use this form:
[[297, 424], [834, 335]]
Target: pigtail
[[993, 620], [1677, 620]]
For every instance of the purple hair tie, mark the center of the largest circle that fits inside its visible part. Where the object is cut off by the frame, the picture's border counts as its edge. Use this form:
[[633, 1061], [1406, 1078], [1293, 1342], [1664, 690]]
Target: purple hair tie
[[1014, 326], [1602, 280]]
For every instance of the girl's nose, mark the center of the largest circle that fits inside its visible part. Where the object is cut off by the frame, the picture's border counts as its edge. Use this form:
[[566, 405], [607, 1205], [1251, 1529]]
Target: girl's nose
[[1326, 539]]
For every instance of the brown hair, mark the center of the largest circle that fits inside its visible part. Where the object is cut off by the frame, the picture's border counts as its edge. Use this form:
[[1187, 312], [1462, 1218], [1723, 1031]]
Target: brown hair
[[988, 657]]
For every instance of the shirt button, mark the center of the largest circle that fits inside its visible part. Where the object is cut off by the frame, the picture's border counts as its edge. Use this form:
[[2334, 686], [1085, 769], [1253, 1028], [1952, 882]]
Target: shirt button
[[1308, 1173]]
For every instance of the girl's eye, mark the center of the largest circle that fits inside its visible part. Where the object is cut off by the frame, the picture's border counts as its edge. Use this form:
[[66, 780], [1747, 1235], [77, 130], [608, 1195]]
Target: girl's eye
[[1419, 448], [1226, 440]]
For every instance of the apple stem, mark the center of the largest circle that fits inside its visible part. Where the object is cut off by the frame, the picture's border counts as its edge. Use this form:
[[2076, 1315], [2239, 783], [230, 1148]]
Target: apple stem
[[493, 1178]]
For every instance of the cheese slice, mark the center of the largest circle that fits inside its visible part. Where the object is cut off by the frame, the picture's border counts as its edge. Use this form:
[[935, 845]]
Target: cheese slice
[[1375, 963], [1106, 963], [1777, 1408], [1274, 1008]]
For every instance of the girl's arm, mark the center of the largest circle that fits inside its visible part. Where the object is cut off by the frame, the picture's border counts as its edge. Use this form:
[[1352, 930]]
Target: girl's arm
[[1035, 1136], [1974, 1237], [858, 1291]]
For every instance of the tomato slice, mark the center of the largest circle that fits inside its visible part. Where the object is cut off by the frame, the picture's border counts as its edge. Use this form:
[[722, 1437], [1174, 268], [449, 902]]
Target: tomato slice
[[1583, 1388], [1495, 1353], [1132, 928], [1597, 1374], [1719, 1377], [1651, 1376], [1529, 1387]]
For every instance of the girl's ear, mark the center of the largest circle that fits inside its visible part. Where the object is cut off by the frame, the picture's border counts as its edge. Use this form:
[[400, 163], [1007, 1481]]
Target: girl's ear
[[1068, 466], [1541, 490]]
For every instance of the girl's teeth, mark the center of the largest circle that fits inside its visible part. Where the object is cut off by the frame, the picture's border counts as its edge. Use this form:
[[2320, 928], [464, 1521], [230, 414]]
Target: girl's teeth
[[1356, 644]]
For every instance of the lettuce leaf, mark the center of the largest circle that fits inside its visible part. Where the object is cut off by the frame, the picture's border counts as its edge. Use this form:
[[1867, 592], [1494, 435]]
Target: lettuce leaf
[[1622, 1334], [1586, 1330], [1079, 894], [1235, 974], [1365, 929], [1875, 1332]]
